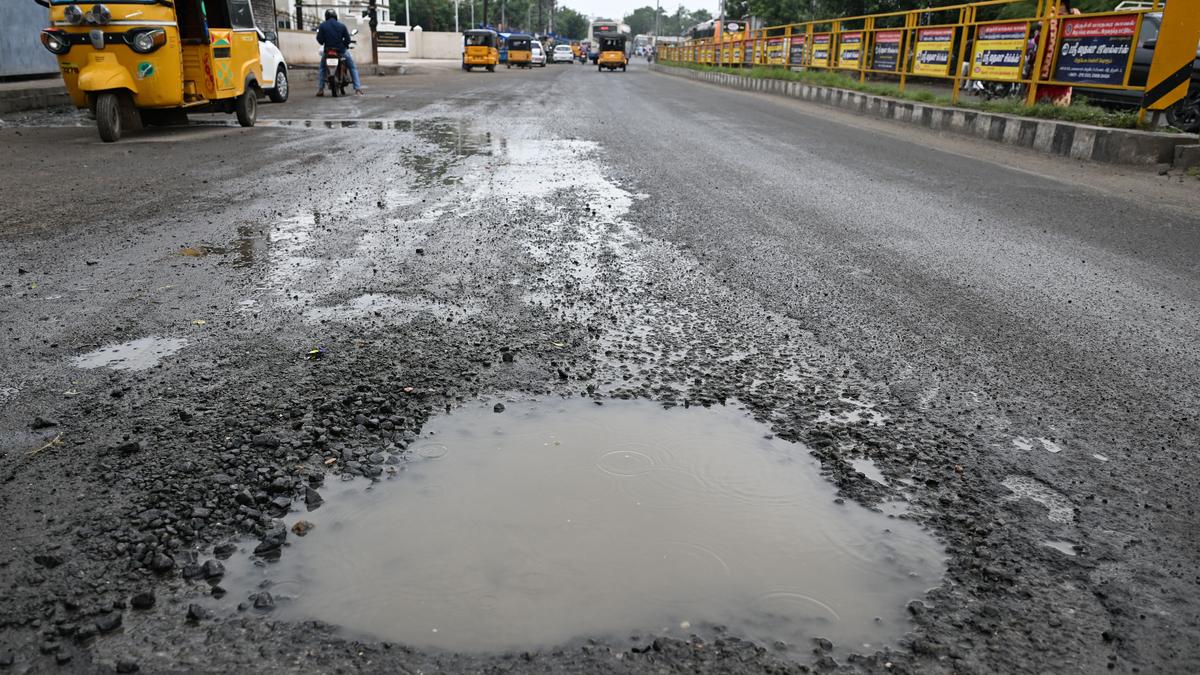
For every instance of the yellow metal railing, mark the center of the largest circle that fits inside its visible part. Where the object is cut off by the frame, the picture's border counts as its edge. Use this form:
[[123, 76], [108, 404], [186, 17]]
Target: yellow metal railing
[[936, 42]]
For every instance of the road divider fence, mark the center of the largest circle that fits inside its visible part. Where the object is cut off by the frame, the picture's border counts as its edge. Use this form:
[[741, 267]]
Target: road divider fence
[[1035, 57]]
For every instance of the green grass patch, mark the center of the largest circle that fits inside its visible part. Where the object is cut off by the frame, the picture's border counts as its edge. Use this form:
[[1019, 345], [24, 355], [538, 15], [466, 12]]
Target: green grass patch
[[1079, 111]]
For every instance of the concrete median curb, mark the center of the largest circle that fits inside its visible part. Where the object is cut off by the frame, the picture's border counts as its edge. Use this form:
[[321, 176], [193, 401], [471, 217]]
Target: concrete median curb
[[34, 95], [1055, 137]]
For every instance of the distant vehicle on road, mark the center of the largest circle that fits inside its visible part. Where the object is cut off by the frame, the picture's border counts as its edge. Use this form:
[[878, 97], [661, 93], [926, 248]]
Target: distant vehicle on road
[[539, 55], [614, 53], [602, 27], [481, 47], [562, 54], [520, 50]]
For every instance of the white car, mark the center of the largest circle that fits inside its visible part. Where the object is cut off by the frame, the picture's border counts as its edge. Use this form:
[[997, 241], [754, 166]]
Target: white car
[[274, 68], [563, 54], [539, 55]]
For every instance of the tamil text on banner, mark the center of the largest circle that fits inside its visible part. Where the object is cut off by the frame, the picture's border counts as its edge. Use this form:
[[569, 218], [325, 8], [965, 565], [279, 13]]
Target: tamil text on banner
[[776, 52], [820, 50], [932, 54], [887, 50], [998, 51], [796, 50], [1095, 50], [850, 50]]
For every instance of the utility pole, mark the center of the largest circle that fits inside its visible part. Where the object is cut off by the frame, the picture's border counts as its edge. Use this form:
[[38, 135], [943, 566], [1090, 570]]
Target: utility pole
[[299, 14], [504, 14], [456, 30], [657, 14], [373, 22], [407, 21], [473, 13], [485, 19]]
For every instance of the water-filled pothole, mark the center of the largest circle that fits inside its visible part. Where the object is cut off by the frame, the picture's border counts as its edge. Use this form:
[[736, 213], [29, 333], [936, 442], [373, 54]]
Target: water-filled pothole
[[555, 521], [138, 354]]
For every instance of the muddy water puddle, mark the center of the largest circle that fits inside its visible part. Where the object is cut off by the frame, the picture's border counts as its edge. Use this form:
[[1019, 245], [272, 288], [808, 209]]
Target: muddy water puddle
[[139, 354], [554, 521]]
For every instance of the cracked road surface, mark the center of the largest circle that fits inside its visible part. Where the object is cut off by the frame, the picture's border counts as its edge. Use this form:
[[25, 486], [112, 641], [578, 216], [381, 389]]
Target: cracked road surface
[[1002, 343]]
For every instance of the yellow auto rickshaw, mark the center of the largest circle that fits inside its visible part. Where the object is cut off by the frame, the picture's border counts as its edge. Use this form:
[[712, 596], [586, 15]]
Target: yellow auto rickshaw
[[520, 50], [481, 47], [612, 53], [136, 62]]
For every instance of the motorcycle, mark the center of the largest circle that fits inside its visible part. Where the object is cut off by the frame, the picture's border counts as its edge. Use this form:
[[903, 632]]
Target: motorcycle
[[337, 72]]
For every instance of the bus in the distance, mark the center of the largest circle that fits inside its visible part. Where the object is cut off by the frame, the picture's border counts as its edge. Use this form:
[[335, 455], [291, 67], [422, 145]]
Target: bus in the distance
[[599, 27]]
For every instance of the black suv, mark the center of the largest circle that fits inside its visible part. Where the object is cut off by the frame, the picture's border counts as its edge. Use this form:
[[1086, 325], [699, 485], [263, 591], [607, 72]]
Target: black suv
[[1183, 115]]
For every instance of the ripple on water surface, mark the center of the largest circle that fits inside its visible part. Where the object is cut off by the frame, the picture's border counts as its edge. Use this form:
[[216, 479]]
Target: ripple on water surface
[[559, 520]]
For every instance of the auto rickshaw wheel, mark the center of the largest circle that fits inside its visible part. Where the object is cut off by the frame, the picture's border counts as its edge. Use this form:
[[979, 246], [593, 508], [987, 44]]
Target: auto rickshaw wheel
[[108, 116], [246, 107], [491, 69]]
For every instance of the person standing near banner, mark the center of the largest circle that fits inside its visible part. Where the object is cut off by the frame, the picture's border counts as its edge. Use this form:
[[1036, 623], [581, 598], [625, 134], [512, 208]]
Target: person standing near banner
[[1055, 94]]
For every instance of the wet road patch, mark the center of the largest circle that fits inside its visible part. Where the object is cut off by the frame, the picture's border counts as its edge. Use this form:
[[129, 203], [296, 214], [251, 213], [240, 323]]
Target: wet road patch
[[550, 522], [139, 354]]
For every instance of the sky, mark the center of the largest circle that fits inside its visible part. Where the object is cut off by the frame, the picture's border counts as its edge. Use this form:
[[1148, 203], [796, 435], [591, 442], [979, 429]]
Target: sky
[[616, 9]]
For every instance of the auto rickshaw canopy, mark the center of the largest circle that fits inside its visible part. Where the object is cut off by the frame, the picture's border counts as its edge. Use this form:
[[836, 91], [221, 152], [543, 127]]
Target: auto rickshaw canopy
[[612, 43], [520, 41], [481, 37]]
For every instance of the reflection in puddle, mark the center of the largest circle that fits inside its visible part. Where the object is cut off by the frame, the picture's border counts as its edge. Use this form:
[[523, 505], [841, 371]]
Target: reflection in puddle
[[560, 520], [867, 468], [245, 248], [137, 354], [1060, 508], [1061, 545], [390, 307]]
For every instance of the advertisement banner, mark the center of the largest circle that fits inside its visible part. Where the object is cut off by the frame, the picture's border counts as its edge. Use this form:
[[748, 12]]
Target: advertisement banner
[[776, 54], [796, 50], [1095, 50], [932, 54], [748, 49], [820, 50], [998, 51], [850, 50], [726, 52], [735, 52], [886, 54]]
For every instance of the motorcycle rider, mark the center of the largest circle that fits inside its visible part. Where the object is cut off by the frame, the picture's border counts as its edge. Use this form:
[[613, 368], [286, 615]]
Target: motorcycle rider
[[333, 34]]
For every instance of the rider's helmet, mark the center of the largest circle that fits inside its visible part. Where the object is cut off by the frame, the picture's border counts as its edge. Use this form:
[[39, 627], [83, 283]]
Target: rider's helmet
[[331, 14]]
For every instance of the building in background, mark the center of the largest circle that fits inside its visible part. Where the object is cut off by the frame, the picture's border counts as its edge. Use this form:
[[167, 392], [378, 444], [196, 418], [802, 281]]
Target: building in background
[[21, 50], [350, 12]]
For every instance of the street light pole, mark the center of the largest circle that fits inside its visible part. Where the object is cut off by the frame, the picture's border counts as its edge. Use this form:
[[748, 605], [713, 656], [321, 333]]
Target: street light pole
[[456, 30]]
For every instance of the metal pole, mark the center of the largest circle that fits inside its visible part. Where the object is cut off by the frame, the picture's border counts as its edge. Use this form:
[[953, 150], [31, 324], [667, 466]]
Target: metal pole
[[407, 20], [456, 30], [472, 13]]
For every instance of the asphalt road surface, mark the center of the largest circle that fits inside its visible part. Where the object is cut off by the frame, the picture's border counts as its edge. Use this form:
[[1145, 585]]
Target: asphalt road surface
[[1010, 339]]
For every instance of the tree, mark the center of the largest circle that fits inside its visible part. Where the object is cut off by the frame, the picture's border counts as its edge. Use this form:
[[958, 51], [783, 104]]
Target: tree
[[571, 24], [641, 21]]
